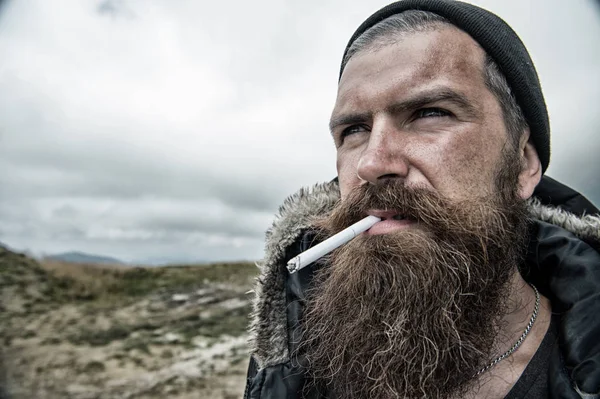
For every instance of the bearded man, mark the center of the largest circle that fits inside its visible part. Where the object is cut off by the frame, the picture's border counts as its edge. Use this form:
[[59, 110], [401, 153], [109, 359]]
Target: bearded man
[[482, 279]]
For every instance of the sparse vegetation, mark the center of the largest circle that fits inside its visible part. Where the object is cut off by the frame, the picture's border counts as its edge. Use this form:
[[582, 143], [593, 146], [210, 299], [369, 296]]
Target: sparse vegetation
[[136, 344], [167, 354], [87, 282], [74, 328], [99, 337], [94, 367]]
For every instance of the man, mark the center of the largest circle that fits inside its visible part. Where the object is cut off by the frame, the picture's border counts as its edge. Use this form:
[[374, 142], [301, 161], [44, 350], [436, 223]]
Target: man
[[482, 280]]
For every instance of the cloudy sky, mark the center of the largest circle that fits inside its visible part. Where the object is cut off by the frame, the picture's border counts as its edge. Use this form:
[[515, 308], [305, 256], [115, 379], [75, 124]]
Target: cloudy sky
[[173, 129]]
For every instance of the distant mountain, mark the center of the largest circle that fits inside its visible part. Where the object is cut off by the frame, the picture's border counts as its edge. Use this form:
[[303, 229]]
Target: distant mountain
[[81, 257]]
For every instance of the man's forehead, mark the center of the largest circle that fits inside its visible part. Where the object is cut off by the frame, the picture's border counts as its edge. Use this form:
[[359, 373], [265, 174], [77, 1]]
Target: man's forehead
[[444, 56]]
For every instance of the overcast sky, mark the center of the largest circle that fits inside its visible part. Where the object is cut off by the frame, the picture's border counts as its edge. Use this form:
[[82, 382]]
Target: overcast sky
[[163, 129]]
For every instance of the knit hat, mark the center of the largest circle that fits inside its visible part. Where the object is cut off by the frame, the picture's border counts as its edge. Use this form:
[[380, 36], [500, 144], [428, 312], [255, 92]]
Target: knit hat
[[501, 43]]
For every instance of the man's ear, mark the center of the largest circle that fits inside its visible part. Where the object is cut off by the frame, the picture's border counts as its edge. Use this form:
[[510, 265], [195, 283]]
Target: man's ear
[[531, 167]]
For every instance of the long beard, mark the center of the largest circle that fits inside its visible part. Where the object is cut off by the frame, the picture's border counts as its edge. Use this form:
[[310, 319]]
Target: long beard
[[414, 313]]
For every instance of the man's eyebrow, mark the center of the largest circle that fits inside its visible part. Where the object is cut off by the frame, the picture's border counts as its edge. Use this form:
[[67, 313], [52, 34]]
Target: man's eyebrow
[[431, 97], [348, 119], [416, 102]]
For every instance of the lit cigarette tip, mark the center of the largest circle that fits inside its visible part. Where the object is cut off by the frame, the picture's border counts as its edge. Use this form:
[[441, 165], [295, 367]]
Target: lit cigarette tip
[[318, 251]]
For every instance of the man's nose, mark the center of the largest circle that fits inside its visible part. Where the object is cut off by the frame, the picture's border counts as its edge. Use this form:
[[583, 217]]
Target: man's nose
[[384, 157]]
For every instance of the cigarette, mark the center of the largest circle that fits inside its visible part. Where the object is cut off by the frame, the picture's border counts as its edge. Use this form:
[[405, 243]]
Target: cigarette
[[310, 255]]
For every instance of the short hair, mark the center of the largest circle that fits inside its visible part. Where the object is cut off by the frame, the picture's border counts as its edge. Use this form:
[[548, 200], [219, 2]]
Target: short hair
[[387, 32]]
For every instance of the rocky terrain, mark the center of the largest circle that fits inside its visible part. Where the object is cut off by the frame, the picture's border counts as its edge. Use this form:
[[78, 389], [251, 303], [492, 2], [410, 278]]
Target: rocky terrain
[[100, 332]]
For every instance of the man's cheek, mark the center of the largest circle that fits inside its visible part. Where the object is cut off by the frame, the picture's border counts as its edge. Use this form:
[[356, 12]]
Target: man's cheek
[[347, 174]]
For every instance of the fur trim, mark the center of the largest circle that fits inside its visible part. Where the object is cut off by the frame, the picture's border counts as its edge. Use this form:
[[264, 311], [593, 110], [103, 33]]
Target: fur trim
[[587, 226], [268, 326]]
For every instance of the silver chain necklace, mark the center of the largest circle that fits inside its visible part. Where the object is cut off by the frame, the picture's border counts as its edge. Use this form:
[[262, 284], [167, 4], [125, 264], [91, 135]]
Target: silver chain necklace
[[521, 338]]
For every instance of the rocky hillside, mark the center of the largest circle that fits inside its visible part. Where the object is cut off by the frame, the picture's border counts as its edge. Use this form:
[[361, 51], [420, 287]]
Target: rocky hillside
[[83, 331]]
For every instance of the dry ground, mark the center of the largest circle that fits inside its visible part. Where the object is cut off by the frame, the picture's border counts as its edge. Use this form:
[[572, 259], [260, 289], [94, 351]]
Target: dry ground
[[82, 331]]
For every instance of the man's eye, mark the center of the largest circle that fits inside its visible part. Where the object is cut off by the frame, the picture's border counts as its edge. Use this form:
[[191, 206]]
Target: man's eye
[[431, 112], [352, 129]]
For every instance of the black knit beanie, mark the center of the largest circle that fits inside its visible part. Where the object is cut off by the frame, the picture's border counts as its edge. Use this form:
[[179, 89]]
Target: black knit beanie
[[501, 43]]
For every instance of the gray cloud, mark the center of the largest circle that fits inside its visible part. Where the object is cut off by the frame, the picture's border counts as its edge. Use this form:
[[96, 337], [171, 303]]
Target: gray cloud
[[175, 129]]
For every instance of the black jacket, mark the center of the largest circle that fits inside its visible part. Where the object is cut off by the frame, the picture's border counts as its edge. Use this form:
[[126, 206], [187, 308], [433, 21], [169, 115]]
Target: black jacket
[[563, 261]]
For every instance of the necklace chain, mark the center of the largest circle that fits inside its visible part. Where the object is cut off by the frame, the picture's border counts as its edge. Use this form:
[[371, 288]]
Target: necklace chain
[[521, 338]]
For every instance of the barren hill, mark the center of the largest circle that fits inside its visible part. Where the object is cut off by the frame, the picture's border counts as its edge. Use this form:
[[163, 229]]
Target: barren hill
[[80, 331], [82, 257]]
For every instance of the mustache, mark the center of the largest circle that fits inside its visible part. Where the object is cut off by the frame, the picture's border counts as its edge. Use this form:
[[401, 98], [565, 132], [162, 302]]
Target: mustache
[[423, 205], [485, 219], [393, 195]]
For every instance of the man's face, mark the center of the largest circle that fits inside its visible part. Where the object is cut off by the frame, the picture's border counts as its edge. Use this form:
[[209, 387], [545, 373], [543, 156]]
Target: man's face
[[419, 110]]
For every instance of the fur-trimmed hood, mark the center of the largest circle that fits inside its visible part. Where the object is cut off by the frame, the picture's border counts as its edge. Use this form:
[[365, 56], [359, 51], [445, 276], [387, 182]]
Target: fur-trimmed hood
[[269, 325]]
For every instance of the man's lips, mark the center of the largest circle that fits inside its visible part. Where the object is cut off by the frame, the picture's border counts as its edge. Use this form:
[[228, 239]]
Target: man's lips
[[390, 221]]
